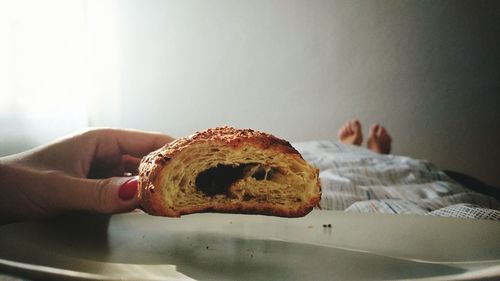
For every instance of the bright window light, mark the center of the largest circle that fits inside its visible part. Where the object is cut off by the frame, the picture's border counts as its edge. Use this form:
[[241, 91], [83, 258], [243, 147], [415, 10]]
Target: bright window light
[[58, 69]]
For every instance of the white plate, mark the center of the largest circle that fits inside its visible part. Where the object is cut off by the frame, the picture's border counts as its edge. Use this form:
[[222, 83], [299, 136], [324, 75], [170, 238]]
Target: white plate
[[137, 246]]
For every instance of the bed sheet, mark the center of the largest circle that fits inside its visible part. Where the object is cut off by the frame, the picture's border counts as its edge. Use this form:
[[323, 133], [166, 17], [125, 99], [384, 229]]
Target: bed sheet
[[355, 179]]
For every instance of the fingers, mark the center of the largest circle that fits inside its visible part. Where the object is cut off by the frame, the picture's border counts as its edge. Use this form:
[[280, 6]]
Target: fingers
[[127, 164], [131, 142], [130, 164], [106, 196], [117, 151], [139, 143], [30, 193], [101, 152]]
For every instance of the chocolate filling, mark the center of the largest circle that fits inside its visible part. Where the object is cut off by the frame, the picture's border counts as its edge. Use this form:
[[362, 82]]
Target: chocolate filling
[[217, 180]]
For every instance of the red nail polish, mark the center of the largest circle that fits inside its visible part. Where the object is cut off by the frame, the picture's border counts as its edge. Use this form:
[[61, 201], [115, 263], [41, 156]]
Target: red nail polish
[[128, 190]]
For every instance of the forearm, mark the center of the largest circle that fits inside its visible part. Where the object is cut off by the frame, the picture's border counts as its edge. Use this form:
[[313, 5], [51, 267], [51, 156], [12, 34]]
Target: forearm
[[18, 185]]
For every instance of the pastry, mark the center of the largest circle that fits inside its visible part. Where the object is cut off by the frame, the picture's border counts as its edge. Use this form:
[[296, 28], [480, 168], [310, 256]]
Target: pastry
[[228, 170]]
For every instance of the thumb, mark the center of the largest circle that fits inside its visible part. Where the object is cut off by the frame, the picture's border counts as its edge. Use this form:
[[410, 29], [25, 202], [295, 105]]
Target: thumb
[[106, 196]]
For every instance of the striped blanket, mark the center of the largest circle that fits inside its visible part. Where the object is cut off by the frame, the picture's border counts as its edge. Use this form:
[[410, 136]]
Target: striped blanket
[[355, 179]]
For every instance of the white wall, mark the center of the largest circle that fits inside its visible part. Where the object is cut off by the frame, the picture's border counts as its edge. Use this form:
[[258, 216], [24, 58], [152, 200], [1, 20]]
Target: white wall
[[428, 70]]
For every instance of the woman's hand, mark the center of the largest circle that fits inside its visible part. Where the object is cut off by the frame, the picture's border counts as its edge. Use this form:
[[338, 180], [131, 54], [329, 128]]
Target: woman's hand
[[81, 172]]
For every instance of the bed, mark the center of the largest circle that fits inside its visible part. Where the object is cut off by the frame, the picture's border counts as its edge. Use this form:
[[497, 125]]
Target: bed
[[442, 231], [355, 179]]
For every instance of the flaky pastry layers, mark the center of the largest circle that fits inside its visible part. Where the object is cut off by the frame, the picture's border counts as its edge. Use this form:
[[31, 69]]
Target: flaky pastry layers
[[228, 170]]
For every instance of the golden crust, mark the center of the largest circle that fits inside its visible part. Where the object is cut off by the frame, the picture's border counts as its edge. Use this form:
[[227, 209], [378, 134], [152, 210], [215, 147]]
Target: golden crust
[[152, 199]]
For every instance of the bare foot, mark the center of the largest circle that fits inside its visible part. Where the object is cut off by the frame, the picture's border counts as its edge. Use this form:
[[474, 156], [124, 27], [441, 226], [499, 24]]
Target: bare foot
[[350, 133], [379, 140]]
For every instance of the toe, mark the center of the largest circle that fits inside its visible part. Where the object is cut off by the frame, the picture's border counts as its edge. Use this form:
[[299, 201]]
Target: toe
[[380, 131], [356, 125], [373, 130], [340, 133], [350, 129], [343, 131], [350, 133], [385, 134]]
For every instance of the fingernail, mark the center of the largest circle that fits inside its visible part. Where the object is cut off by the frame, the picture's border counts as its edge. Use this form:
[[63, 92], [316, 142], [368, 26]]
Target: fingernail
[[128, 190]]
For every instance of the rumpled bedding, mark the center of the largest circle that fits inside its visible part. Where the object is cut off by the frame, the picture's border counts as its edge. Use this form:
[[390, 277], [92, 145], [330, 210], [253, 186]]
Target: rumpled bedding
[[355, 179]]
